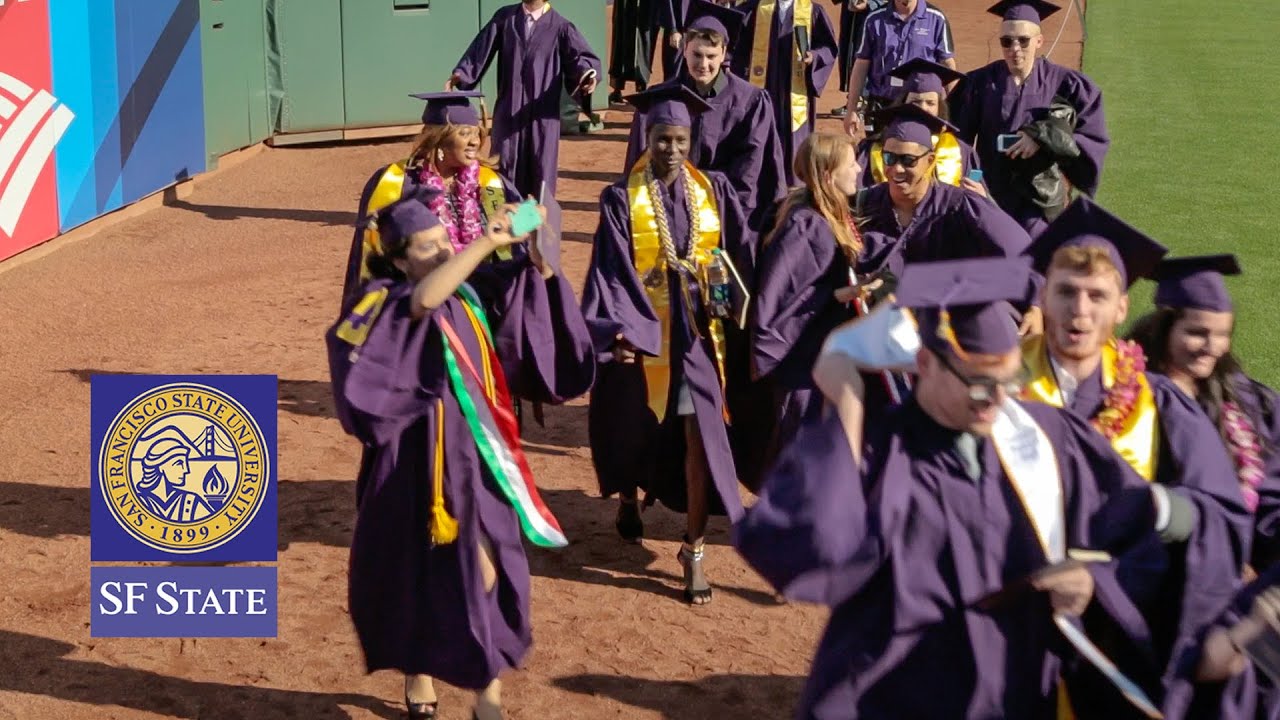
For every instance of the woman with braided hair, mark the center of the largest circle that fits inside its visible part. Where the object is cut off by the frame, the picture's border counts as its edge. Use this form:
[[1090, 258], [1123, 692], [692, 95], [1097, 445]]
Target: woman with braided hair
[[658, 416]]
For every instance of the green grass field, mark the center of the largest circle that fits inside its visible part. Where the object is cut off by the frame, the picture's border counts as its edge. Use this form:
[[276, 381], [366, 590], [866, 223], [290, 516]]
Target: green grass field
[[1194, 161]]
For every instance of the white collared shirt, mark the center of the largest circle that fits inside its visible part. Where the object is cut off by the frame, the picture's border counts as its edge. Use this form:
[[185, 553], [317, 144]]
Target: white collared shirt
[[1067, 383], [784, 9]]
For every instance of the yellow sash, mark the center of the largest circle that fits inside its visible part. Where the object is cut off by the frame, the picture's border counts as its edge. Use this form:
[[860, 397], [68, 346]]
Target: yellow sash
[[492, 197], [388, 190], [1139, 438], [950, 160], [760, 52], [651, 268]]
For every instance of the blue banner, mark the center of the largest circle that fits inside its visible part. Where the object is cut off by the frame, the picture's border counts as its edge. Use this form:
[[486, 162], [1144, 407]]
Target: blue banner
[[155, 602]]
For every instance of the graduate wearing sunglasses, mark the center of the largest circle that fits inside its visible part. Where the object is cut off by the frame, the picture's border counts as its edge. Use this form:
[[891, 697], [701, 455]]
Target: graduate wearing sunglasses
[[1038, 127], [913, 216]]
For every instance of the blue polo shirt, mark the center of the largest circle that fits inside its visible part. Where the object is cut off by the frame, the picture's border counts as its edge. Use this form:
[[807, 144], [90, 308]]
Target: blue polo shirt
[[889, 41]]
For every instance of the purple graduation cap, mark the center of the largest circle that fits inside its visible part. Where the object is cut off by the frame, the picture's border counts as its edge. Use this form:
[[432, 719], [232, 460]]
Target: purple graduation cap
[[909, 123], [1029, 10], [451, 107], [965, 307], [921, 75], [1087, 224], [707, 16], [406, 216], [669, 104], [1196, 282]]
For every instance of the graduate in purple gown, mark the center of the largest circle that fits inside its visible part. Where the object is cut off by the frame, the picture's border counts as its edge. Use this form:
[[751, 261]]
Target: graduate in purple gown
[[631, 51], [423, 368], [671, 17], [909, 529], [738, 136], [538, 51], [1089, 259], [1224, 671], [658, 415], [803, 289], [1188, 340], [1052, 117], [446, 158], [924, 84], [769, 54], [912, 217]]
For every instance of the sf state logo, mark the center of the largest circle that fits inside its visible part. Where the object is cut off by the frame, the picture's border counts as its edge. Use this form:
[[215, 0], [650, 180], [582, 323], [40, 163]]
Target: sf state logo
[[183, 468]]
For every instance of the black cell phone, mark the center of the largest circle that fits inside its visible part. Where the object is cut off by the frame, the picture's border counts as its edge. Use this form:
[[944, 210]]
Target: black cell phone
[[802, 40]]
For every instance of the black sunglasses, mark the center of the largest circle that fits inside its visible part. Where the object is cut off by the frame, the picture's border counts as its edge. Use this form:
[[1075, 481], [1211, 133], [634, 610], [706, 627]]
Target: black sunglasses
[[1007, 41], [983, 390], [906, 161]]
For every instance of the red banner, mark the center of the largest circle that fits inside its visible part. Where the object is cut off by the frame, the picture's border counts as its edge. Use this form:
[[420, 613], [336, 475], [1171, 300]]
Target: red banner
[[31, 121]]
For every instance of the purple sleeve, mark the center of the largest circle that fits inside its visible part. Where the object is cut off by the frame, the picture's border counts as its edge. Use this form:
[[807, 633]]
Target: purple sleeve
[[995, 228], [870, 38], [1085, 170], [825, 47], [813, 534], [788, 294], [943, 41], [1265, 411], [965, 104], [614, 301], [736, 235], [475, 61], [759, 172], [638, 141], [576, 57]]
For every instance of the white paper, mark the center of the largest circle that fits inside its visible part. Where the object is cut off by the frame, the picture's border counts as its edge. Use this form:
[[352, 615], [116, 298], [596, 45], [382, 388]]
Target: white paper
[[1090, 652]]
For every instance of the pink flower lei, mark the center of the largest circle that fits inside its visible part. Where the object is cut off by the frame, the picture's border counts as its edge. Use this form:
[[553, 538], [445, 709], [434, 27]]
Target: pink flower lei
[[1246, 451], [459, 211]]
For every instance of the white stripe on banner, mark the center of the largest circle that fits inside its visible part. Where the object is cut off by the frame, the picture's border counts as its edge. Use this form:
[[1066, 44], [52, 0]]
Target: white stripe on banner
[[15, 87], [20, 130], [6, 108], [32, 162]]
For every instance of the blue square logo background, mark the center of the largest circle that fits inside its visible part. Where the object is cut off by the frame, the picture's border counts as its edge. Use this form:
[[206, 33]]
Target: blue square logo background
[[181, 442]]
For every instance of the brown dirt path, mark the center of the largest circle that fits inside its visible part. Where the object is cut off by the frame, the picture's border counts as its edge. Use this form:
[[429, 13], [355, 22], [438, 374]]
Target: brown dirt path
[[243, 277]]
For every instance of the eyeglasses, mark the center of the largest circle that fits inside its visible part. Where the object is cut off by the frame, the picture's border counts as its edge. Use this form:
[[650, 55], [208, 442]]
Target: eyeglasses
[[906, 161], [1007, 41], [983, 390]]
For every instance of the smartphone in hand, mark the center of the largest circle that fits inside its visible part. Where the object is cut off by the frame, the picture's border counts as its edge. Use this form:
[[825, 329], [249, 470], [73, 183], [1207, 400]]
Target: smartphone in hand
[[525, 219]]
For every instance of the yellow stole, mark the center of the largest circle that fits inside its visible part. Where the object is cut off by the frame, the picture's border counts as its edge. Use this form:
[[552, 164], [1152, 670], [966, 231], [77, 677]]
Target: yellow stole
[[1139, 438], [391, 186], [802, 13], [651, 268], [950, 160]]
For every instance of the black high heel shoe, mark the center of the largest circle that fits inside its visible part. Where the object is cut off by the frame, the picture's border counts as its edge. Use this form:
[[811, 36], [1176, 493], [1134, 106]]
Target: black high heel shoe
[[422, 710]]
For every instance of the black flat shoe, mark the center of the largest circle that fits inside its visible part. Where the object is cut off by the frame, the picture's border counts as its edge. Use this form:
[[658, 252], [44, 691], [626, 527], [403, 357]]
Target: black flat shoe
[[630, 526], [422, 710]]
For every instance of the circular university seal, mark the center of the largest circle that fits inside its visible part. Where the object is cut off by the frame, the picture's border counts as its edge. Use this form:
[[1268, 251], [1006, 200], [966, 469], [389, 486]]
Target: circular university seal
[[184, 468]]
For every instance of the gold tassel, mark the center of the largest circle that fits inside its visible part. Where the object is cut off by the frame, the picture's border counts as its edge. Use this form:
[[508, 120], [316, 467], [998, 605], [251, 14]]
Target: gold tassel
[[444, 529]]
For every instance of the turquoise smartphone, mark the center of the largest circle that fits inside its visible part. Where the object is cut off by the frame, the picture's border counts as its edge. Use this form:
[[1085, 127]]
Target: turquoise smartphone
[[975, 175], [526, 218]]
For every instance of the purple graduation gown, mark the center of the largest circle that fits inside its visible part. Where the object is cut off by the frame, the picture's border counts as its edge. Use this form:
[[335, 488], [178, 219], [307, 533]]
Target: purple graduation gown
[[531, 71], [799, 270], [1250, 695], [1262, 405], [738, 136], [823, 45], [902, 547], [951, 223], [671, 15], [418, 608], [351, 280], [1204, 572], [629, 448], [988, 103], [868, 145]]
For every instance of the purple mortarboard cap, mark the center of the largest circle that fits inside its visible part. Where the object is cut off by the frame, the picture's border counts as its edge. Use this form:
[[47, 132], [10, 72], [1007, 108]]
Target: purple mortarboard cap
[[707, 16], [669, 104], [1030, 10], [1086, 224], [965, 307], [1196, 282], [451, 107], [920, 76], [909, 123], [407, 216]]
